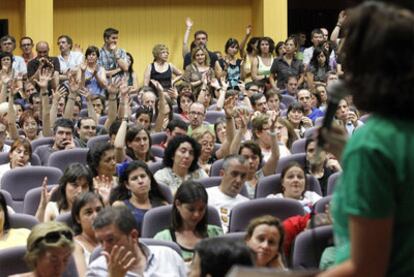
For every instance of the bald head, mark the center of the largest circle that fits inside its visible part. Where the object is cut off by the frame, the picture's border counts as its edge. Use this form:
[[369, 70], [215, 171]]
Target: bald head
[[42, 49]]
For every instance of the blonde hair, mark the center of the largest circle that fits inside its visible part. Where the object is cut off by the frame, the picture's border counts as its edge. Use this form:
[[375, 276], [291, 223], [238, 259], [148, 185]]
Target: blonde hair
[[199, 132], [157, 49]]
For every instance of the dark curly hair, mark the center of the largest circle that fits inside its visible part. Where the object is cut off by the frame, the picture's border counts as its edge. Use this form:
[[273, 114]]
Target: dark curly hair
[[95, 154], [271, 45], [173, 146], [378, 58]]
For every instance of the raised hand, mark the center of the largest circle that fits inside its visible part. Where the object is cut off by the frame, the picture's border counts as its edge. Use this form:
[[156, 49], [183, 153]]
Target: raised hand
[[46, 195], [157, 85], [229, 105], [249, 30], [188, 23], [103, 185], [74, 84], [45, 76], [85, 93], [119, 261]]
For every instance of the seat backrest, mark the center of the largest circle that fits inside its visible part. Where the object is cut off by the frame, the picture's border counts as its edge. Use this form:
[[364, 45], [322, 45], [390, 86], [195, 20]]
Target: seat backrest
[[166, 192], [320, 205], [216, 167], [147, 241], [298, 146], [244, 212], [41, 141], [157, 151], [61, 159], [273, 184], [309, 246], [19, 180], [212, 116], [65, 218], [158, 138], [154, 167], [287, 100], [158, 219], [102, 119], [236, 236], [97, 139], [8, 198], [12, 262], [32, 199], [283, 162], [332, 180], [22, 221]]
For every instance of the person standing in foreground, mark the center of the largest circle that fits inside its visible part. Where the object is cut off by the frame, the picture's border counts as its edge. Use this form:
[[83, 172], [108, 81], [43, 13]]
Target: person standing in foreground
[[372, 204]]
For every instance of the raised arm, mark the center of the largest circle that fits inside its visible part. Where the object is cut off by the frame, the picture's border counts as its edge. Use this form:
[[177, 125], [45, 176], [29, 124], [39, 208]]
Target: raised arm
[[56, 95], [74, 87], [255, 69], [91, 111], [119, 142], [162, 103], [229, 106], [147, 75], [44, 77], [335, 32], [189, 24], [236, 141], [244, 41], [113, 89], [11, 116], [270, 166]]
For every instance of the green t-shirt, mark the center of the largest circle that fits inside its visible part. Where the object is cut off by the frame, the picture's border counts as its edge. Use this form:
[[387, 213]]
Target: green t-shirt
[[378, 183], [187, 254]]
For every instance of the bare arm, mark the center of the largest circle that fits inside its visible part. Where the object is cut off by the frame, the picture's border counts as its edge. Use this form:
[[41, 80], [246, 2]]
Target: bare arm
[[57, 94], [91, 111], [147, 75], [119, 142], [73, 92], [112, 106], [244, 41], [270, 166], [161, 107], [235, 144], [255, 69], [44, 95], [337, 29], [224, 150], [11, 116], [370, 248], [189, 24]]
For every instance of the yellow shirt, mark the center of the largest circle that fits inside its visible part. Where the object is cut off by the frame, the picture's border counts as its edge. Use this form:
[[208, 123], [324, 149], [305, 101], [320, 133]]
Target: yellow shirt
[[14, 237]]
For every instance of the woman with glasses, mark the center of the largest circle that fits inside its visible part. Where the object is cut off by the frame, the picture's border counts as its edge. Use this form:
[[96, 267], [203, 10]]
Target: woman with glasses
[[49, 249]]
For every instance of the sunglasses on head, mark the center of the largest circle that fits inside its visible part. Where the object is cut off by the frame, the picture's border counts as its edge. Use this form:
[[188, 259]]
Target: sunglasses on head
[[54, 237]]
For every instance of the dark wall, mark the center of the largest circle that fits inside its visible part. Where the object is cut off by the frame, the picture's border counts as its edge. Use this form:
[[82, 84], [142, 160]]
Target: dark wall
[[4, 27]]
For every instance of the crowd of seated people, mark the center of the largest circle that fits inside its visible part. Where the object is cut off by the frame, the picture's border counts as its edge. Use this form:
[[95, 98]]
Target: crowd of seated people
[[93, 101]]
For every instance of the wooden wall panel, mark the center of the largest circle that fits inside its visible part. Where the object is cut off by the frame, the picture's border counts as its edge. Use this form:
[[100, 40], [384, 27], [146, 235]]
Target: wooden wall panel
[[13, 11]]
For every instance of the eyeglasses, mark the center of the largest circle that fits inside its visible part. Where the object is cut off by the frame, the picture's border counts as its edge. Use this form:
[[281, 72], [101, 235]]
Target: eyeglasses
[[196, 113], [53, 237]]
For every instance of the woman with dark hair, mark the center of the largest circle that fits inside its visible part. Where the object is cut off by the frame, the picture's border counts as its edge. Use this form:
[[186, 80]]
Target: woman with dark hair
[[93, 76], [318, 67], [84, 211], [287, 65], [280, 49], [131, 76], [372, 203], [184, 100], [249, 55], [265, 236], [263, 61], [101, 160], [76, 179], [231, 65], [296, 117], [19, 155], [294, 186], [135, 145], [189, 219], [137, 190], [181, 163], [10, 237]]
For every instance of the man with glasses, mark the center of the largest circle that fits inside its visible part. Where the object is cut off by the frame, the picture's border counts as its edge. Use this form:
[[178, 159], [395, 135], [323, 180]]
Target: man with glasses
[[8, 44], [197, 115], [86, 129], [26, 45], [43, 60], [227, 195]]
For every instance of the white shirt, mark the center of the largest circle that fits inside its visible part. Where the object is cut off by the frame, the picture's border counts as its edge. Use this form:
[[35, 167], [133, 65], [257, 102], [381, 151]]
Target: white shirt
[[161, 261], [223, 204], [75, 59], [308, 200], [19, 65]]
